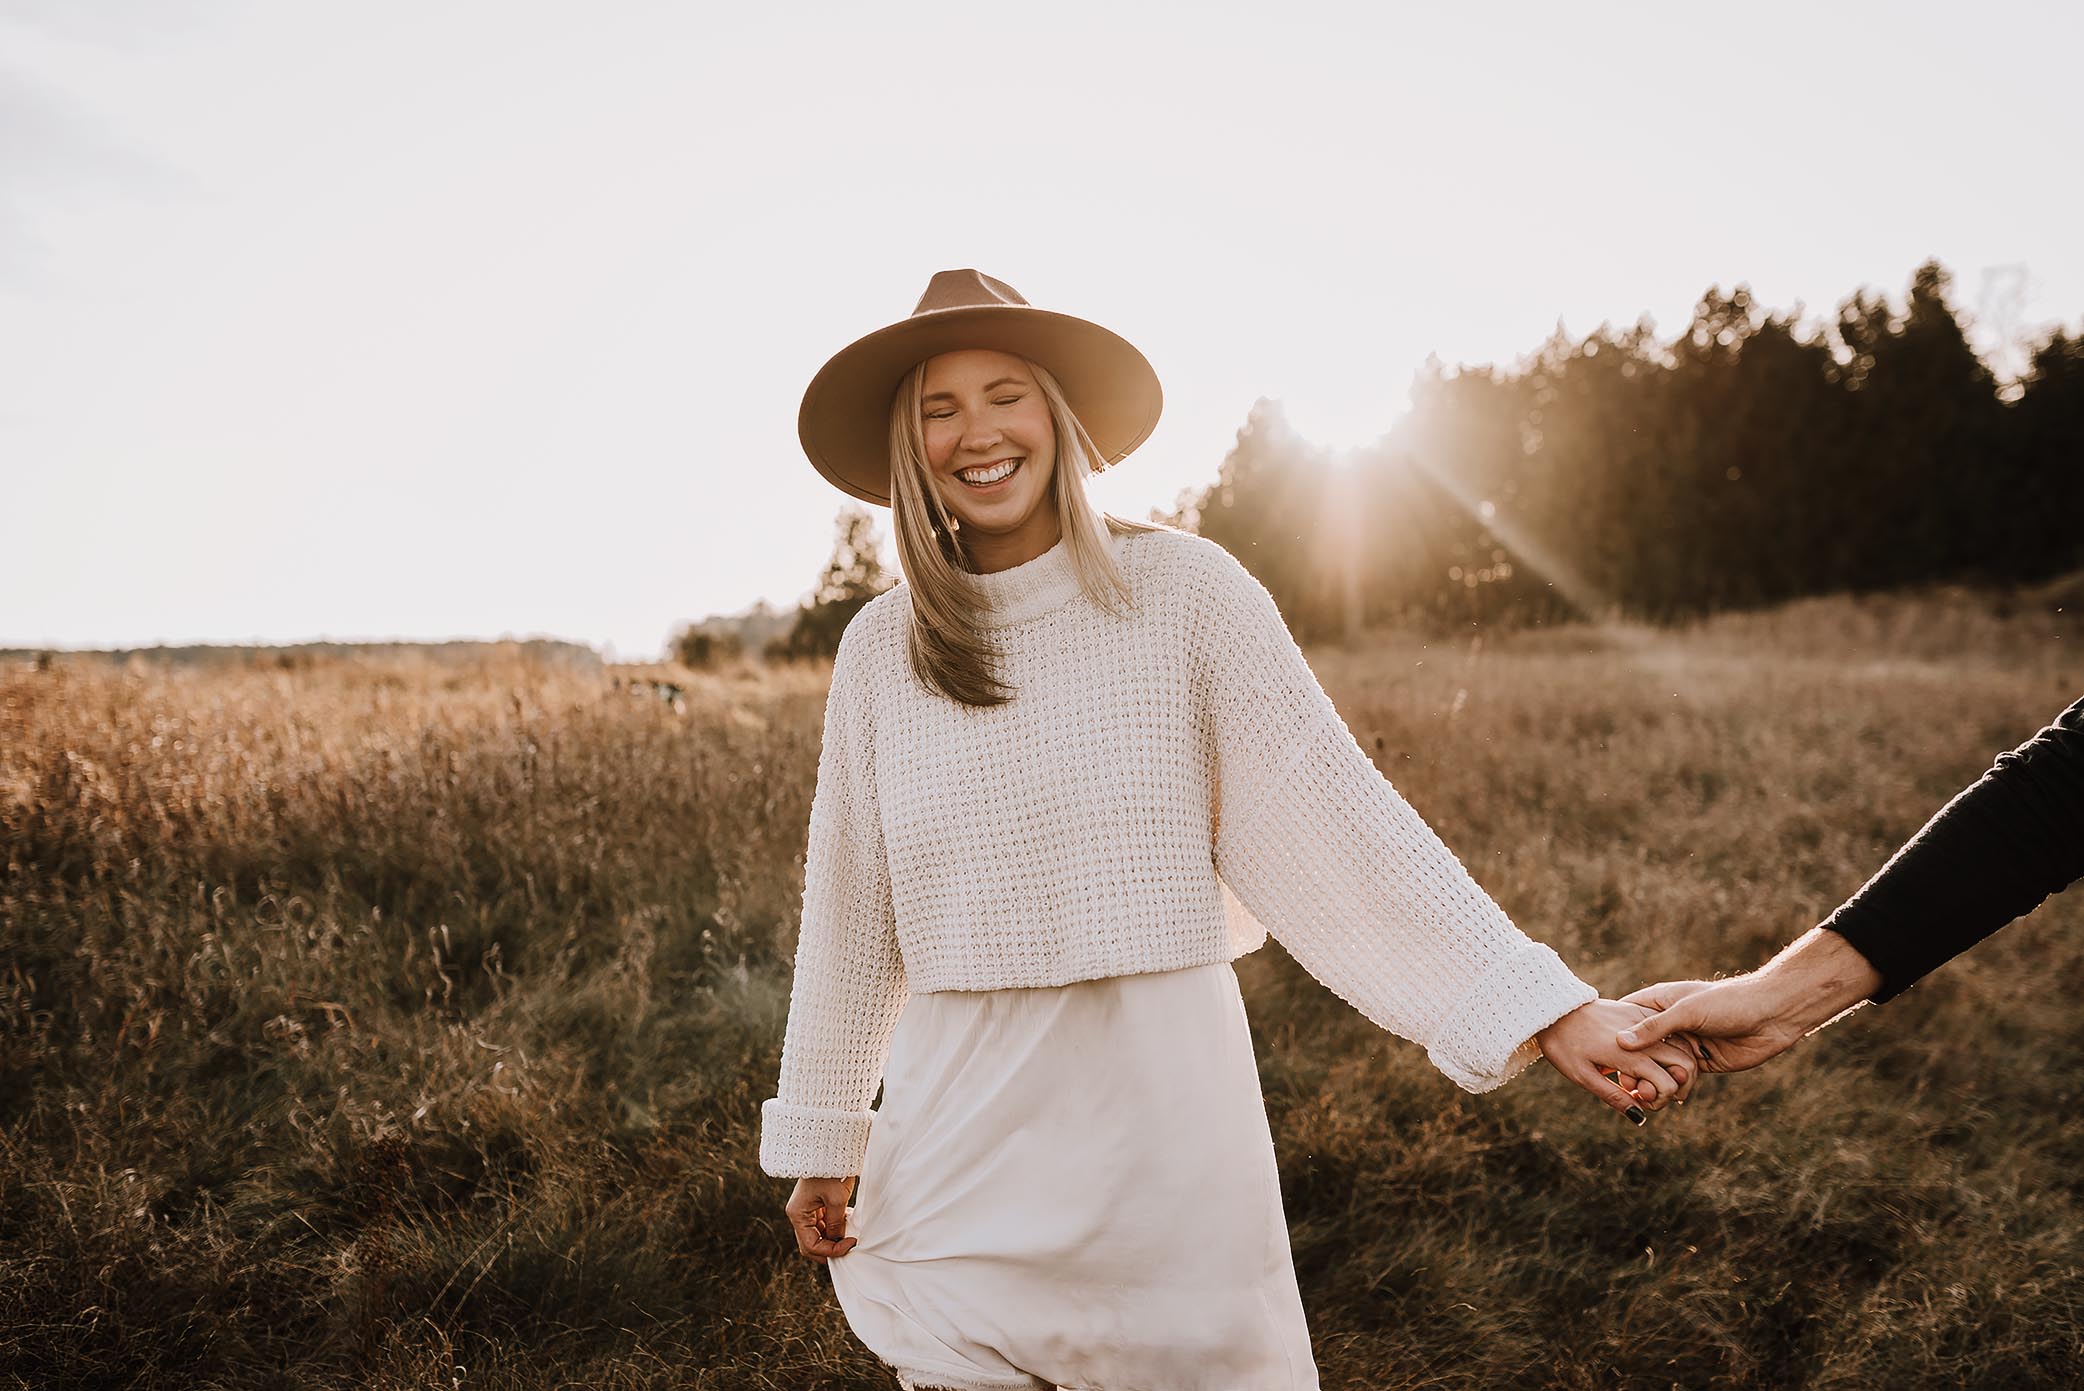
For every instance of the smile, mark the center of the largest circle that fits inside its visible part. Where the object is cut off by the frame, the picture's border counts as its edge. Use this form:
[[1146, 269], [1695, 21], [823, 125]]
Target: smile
[[990, 475]]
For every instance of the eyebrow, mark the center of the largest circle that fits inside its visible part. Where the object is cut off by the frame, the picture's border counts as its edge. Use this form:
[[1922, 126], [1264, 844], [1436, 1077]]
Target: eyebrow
[[988, 386]]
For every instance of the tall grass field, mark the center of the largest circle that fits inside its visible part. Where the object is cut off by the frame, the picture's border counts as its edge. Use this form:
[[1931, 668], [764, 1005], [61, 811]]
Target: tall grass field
[[386, 1024]]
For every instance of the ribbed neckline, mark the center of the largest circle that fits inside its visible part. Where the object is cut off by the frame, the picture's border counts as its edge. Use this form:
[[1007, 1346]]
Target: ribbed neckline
[[1029, 589]]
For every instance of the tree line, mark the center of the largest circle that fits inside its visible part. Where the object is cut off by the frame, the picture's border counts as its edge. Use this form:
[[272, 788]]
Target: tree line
[[1749, 461], [1745, 463]]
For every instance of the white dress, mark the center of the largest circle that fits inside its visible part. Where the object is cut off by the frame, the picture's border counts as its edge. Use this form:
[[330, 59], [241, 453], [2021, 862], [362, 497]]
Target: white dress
[[1074, 1186]]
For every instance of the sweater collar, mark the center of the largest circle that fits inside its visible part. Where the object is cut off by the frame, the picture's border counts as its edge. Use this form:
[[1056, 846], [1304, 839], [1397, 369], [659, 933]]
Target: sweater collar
[[1029, 589]]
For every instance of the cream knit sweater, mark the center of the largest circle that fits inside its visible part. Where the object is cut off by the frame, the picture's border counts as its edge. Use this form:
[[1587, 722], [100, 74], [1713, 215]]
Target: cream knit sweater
[[1076, 833]]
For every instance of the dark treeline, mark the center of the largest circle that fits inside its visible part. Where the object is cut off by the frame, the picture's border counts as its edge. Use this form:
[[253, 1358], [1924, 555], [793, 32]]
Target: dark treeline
[[1746, 462]]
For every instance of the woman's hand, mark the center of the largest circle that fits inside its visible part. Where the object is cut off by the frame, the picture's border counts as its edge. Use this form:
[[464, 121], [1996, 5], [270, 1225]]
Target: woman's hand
[[818, 1214], [1582, 1046]]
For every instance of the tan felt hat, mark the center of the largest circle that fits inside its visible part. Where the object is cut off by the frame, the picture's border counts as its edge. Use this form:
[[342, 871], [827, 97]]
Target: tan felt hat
[[844, 421]]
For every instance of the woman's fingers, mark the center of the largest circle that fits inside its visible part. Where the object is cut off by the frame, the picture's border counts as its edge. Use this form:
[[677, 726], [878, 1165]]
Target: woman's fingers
[[1679, 1061], [803, 1221], [835, 1242], [1677, 1066], [821, 1230], [1651, 1085], [1603, 1085], [1666, 1086]]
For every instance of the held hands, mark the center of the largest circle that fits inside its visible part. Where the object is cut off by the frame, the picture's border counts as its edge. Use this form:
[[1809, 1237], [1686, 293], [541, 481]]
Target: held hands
[[818, 1215], [1582, 1046]]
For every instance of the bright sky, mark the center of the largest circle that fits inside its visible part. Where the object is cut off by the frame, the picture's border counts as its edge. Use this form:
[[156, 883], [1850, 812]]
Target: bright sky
[[448, 319]]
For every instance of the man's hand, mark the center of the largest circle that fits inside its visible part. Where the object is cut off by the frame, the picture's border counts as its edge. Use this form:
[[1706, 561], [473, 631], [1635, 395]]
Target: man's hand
[[1741, 1022], [1732, 1024]]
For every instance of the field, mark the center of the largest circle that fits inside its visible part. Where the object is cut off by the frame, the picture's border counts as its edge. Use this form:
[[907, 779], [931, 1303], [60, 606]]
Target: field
[[388, 1024]]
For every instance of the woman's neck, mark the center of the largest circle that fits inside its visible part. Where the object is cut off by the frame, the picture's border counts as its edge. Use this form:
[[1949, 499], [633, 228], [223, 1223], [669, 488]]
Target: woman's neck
[[991, 552]]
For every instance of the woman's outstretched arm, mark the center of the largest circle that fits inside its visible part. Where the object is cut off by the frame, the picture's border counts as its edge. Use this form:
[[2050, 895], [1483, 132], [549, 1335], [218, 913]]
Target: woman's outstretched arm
[[1324, 852]]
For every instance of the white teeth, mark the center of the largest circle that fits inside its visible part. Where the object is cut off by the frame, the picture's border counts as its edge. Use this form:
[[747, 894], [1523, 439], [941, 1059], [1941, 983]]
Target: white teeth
[[990, 475]]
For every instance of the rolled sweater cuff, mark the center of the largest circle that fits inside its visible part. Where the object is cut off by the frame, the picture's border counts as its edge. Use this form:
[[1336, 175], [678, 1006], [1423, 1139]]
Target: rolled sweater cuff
[[811, 1141], [1487, 1038]]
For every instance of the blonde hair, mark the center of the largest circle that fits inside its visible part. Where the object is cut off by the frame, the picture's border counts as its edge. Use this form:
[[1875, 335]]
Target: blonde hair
[[952, 652]]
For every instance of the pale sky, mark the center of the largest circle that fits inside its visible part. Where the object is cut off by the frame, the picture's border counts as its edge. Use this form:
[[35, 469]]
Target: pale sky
[[445, 319]]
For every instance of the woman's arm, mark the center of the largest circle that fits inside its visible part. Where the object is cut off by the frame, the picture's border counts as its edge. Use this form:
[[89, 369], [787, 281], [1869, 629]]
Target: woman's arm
[[1323, 851], [849, 984]]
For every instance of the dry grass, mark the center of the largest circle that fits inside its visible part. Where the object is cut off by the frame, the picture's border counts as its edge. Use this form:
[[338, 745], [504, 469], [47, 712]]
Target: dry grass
[[385, 1025]]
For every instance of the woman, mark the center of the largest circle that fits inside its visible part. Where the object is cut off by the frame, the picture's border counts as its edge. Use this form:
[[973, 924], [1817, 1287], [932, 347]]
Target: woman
[[1041, 752]]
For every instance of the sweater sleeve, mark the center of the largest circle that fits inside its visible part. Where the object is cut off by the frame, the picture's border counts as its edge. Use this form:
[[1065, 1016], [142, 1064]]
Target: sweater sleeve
[[849, 984], [1324, 852], [1992, 854]]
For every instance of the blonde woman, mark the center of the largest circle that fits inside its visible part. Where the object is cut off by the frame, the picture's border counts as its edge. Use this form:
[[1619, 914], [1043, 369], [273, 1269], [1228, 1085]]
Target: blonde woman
[[1045, 756]]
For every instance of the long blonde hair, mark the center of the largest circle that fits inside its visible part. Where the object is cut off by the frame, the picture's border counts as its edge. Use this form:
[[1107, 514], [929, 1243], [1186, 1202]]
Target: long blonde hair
[[952, 652]]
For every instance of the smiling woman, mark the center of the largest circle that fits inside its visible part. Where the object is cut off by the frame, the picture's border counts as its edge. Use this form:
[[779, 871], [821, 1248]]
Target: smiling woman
[[1046, 756]]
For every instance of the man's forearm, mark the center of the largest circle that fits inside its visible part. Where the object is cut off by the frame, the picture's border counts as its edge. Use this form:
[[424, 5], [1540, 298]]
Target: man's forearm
[[1992, 854], [1816, 978], [1750, 1019]]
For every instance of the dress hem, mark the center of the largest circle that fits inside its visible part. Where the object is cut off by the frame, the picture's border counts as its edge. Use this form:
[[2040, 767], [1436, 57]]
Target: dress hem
[[910, 1380]]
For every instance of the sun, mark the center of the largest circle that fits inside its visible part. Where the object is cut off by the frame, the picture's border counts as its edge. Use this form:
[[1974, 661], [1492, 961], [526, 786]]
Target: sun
[[1344, 426]]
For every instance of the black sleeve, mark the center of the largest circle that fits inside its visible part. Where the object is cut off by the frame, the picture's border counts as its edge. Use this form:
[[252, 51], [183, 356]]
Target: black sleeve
[[1993, 853]]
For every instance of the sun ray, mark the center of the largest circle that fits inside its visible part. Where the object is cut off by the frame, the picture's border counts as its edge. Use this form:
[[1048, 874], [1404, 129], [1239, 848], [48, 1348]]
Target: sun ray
[[1643, 645]]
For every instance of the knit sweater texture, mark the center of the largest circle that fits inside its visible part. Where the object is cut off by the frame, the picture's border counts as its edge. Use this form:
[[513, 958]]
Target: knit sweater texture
[[1150, 759]]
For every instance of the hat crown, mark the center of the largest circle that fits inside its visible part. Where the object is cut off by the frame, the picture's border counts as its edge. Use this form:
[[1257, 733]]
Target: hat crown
[[964, 289]]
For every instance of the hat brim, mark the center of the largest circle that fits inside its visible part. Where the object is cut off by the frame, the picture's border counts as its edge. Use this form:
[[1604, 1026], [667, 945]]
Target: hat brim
[[844, 422]]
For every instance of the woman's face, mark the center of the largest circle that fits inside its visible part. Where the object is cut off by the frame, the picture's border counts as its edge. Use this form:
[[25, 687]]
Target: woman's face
[[981, 412]]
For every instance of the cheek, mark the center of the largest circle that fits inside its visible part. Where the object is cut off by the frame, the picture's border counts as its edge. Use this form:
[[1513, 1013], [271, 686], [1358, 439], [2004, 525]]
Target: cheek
[[1041, 436]]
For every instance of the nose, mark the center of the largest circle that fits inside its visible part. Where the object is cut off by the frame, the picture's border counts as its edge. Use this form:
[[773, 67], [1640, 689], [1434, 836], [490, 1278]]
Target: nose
[[979, 436]]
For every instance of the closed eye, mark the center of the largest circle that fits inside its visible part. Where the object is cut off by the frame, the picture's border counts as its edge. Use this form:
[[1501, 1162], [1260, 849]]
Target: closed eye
[[1001, 401]]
